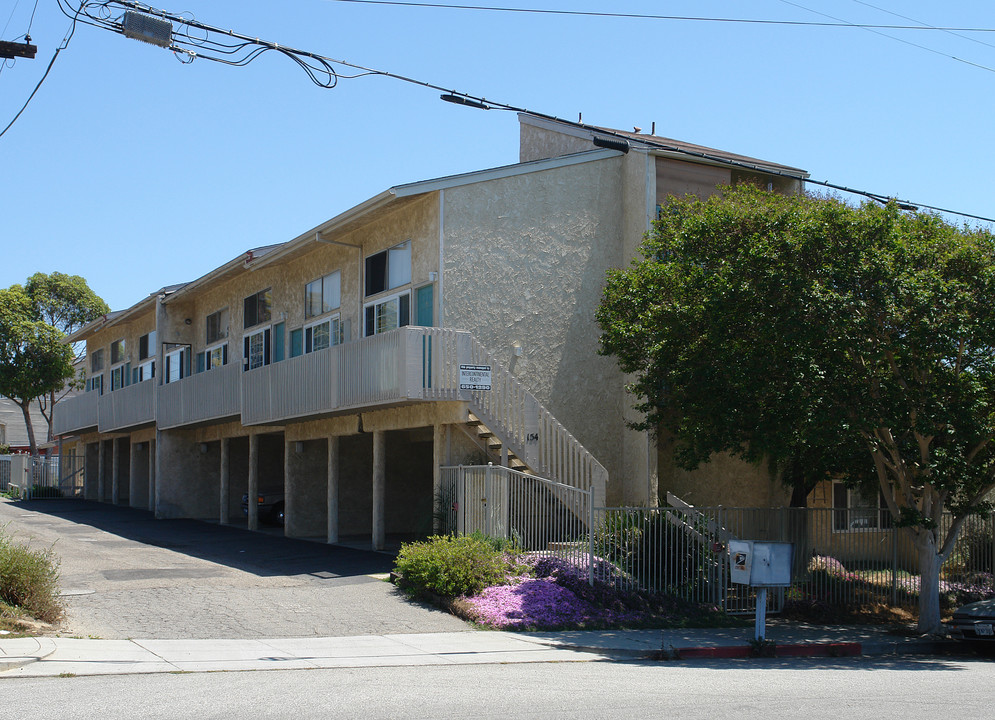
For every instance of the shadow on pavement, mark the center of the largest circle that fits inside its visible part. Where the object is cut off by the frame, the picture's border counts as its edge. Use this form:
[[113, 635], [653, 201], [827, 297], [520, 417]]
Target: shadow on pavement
[[265, 554]]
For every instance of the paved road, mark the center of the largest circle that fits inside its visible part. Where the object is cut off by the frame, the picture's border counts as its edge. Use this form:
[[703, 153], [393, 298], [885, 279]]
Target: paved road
[[127, 575], [826, 689]]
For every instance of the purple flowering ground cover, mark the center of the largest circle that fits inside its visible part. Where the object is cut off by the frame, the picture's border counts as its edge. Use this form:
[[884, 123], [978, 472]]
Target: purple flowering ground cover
[[556, 595]]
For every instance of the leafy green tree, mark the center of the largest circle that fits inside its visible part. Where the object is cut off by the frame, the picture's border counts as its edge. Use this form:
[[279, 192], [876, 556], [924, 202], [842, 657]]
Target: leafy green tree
[[822, 338], [67, 303], [33, 359]]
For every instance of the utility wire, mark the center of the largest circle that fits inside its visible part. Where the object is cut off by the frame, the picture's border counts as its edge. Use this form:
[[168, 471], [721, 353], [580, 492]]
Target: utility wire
[[949, 31], [62, 46], [874, 30], [642, 16], [11, 17], [32, 20], [248, 48]]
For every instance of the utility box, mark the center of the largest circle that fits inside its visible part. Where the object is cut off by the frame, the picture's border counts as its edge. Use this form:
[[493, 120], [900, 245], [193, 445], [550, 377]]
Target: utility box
[[760, 564]]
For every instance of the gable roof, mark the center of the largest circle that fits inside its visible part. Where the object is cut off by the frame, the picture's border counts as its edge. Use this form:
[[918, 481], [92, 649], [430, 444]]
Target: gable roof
[[659, 145]]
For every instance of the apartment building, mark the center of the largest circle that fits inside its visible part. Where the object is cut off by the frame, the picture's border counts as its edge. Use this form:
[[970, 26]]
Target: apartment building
[[439, 322]]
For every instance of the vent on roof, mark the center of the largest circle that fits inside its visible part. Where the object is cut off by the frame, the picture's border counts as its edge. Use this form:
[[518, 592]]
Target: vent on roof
[[147, 28], [611, 143]]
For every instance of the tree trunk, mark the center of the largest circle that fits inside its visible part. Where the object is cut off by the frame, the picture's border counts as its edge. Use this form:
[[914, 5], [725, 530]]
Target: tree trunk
[[929, 583], [26, 411]]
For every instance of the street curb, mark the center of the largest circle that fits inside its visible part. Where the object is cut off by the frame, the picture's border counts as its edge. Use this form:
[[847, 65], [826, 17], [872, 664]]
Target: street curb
[[841, 649], [46, 646], [798, 650]]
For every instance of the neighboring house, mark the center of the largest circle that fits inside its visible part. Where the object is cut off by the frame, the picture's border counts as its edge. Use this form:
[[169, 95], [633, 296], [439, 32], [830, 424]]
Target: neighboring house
[[16, 433], [329, 366]]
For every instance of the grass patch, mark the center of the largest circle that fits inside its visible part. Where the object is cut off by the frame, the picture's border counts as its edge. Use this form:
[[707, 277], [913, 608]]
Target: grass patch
[[29, 582]]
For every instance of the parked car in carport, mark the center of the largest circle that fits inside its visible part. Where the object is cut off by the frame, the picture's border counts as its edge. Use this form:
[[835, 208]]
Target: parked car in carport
[[975, 623], [271, 506]]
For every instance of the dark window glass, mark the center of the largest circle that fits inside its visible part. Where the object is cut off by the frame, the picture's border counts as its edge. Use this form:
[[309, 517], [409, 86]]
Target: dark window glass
[[376, 273]]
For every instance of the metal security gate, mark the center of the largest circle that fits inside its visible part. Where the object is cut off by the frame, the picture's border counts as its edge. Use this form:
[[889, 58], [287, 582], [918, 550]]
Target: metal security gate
[[42, 477], [5, 463]]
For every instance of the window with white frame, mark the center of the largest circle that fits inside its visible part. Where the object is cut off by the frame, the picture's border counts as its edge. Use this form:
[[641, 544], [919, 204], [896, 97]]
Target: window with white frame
[[145, 371], [322, 334], [855, 510], [322, 295], [119, 377], [256, 349], [97, 360], [176, 365], [387, 314], [215, 357], [95, 384], [388, 269]]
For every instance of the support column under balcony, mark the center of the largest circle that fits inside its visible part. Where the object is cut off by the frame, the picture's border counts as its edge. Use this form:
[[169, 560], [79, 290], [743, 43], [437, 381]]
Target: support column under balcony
[[115, 471], [152, 450], [224, 516], [133, 473], [291, 491], [253, 489], [438, 459], [101, 470], [379, 490], [332, 496]]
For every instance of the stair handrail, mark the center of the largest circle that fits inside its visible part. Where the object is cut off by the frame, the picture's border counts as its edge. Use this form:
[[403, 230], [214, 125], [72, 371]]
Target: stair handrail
[[531, 431]]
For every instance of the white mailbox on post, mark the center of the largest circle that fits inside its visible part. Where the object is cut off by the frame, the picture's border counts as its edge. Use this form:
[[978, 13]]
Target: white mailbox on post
[[760, 565]]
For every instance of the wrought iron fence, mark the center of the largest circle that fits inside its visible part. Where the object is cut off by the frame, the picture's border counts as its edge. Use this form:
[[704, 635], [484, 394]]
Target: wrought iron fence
[[538, 515], [842, 557]]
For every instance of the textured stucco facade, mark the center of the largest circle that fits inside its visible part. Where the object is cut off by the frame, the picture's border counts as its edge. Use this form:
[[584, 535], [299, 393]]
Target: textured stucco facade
[[515, 256]]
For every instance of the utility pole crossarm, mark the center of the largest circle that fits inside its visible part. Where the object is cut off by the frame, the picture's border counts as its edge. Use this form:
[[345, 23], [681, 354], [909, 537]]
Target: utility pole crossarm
[[10, 50]]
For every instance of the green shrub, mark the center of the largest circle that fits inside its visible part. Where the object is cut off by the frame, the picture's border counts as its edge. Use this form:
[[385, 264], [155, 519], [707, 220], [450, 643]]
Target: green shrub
[[659, 555], [451, 565], [29, 580], [43, 491]]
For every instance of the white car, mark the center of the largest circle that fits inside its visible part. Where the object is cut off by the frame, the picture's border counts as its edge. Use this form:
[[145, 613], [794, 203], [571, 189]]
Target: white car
[[975, 623]]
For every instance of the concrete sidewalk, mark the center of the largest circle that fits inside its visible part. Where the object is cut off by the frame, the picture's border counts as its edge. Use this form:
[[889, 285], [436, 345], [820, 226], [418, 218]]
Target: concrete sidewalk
[[40, 657]]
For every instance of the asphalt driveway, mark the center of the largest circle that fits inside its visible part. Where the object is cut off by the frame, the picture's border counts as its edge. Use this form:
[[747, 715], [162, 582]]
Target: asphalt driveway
[[127, 575]]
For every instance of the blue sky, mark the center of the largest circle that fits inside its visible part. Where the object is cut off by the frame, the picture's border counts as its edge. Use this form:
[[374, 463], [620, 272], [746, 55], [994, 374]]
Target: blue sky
[[136, 171]]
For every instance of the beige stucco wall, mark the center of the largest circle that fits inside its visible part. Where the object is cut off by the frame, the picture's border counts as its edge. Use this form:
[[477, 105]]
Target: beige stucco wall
[[525, 260], [724, 480], [416, 221], [130, 331], [536, 143]]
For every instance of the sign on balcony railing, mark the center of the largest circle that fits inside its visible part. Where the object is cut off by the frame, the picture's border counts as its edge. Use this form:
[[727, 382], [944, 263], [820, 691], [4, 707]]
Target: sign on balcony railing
[[474, 377]]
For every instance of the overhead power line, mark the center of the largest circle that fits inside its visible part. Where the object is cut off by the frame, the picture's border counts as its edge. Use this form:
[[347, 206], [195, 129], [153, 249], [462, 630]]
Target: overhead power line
[[876, 31], [62, 46], [238, 50], [646, 16]]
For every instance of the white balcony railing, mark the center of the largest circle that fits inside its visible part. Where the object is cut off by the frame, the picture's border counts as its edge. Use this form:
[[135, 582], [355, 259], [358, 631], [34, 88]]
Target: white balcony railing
[[379, 370], [126, 407], [75, 414], [410, 364], [210, 395]]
